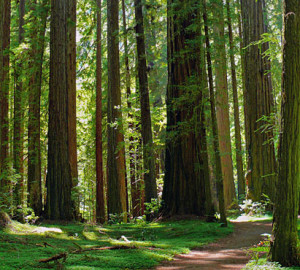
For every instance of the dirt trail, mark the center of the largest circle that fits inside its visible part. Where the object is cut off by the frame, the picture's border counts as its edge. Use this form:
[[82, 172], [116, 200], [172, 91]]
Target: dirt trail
[[227, 253]]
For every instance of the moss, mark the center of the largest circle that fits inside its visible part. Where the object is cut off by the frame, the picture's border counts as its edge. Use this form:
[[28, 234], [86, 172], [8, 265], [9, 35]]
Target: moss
[[259, 258], [21, 246], [4, 220]]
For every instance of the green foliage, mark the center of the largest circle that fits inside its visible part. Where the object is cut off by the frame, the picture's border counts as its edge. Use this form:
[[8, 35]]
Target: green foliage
[[262, 251], [6, 199], [153, 207], [22, 245], [256, 208], [250, 210], [116, 218]]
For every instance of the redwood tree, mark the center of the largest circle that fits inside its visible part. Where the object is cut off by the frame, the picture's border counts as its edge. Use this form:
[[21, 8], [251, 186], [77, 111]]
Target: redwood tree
[[71, 86], [186, 182], [237, 126], [148, 155], [5, 9], [36, 52], [100, 206], [258, 103], [19, 114], [284, 248], [59, 178], [216, 146], [222, 105], [115, 137], [135, 200]]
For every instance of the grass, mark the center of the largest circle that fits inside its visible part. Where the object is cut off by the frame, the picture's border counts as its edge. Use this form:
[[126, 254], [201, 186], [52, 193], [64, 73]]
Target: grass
[[21, 246], [259, 258]]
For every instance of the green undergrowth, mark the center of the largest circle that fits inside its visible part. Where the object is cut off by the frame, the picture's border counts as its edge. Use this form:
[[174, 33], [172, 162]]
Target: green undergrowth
[[21, 246], [259, 255]]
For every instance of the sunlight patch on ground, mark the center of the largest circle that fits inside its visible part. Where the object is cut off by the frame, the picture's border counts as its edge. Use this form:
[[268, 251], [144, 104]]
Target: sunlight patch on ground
[[44, 229], [246, 218], [19, 228]]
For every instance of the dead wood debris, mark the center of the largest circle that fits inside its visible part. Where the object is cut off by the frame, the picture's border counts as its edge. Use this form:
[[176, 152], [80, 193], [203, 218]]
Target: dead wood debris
[[56, 257], [64, 255], [45, 244]]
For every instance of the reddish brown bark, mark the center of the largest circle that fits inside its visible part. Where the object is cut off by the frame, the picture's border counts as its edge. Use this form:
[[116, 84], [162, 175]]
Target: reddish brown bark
[[222, 105], [216, 147], [133, 181], [258, 103], [186, 182], [19, 115], [100, 206], [37, 38], [148, 155], [71, 85], [59, 180], [115, 137], [237, 127]]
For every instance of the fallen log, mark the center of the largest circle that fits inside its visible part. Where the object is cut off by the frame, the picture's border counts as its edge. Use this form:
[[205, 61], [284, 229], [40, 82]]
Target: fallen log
[[64, 255], [103, 248], [56, 257]]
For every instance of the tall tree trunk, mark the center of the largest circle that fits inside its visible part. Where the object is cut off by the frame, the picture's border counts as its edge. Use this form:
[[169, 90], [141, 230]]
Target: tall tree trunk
[[284, 249], [5, 9], [243, 75], [237, 130], [19, 115], [186, 182], [100, 206], [219, 175], [148, 155], [133, 180], [258, 103], [71, 86], [59, 178], [222, 104], [37, 40], [115, 137]]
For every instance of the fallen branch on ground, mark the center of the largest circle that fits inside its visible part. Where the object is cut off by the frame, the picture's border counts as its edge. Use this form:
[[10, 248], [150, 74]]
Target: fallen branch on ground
[[45, 244], [80, 250], [55, 257], [103, 248]]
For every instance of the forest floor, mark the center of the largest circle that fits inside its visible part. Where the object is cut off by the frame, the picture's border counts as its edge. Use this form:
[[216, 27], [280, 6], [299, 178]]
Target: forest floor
[[111, 247], [231, 252], [136, 246]]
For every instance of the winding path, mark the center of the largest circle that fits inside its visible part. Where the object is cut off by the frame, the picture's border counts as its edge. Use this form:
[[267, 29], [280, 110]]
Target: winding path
[[228, 253]]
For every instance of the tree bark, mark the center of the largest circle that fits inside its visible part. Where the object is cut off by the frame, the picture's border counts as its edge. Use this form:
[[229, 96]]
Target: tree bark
[[135, 201], [115, 137], [186, 182], [59, 178], [37, 40], [285, 234], [19, 115], [222, 104], [100, 205], [218, 165], [71, 85], [148, 155], [237, 130], [258, 103], [5, 9]]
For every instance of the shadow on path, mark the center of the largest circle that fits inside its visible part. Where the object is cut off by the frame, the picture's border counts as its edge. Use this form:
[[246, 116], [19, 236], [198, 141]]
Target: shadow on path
[[227, 253]]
